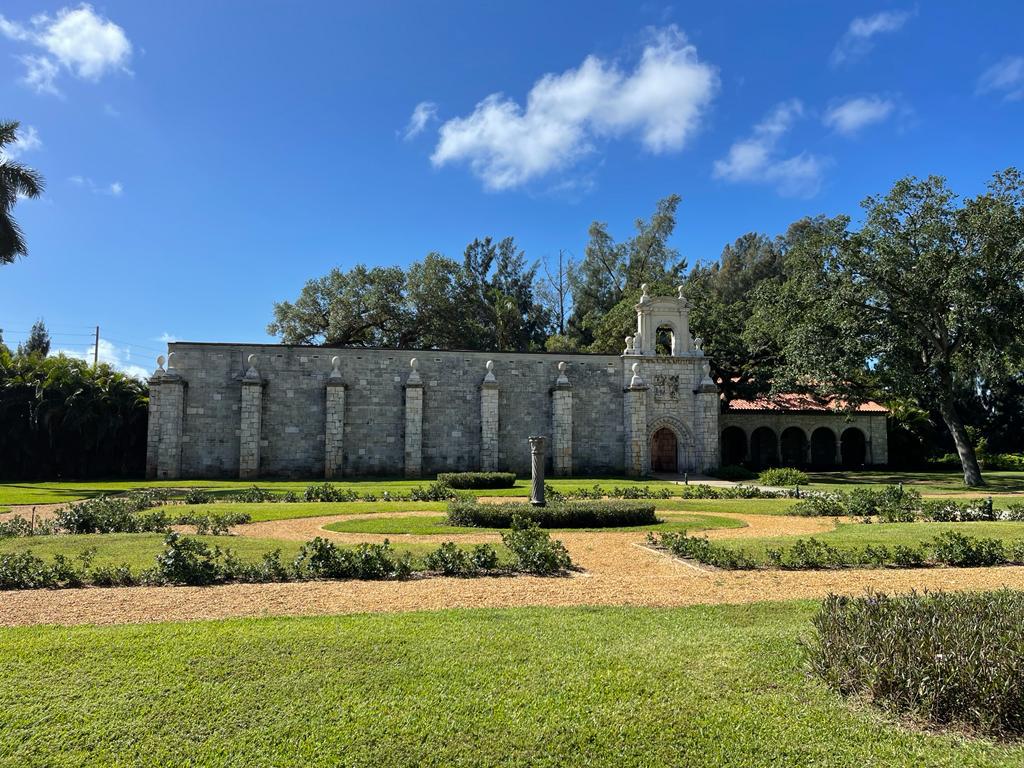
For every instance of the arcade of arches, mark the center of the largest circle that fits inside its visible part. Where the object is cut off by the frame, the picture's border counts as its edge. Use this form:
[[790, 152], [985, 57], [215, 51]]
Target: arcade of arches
[[761, 440]]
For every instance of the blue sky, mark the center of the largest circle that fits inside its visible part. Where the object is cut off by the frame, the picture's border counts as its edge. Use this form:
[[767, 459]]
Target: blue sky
[[204, 159]]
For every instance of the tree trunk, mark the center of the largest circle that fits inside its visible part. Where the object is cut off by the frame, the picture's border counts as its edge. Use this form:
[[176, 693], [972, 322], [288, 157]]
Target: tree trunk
[[968, 459]]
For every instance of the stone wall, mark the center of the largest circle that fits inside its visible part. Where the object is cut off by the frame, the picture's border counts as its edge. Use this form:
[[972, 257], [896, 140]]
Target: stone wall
[[348, 412]]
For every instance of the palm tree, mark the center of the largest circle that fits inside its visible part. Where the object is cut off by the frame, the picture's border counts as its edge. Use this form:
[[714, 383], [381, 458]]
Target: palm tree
[[16, 180]]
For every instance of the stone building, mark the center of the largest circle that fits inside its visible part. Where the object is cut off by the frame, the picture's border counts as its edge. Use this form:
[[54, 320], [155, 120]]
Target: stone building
[[275, 410]]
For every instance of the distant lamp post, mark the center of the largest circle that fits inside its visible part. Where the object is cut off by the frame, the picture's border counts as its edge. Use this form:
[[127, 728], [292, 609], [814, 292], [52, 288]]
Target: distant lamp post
[[537, 456]]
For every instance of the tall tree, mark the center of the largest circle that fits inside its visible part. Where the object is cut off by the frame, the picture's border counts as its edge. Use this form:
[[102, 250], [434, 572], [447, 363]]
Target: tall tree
[[16, 181], [362, 307], [38, 341], [611, 273], [927, 298], [721, 296], [555, 289]]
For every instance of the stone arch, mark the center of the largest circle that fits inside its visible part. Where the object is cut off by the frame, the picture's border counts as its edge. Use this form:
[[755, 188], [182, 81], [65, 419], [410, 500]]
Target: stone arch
[[734, 445], [853, 447], [660, 340], [686, 445], [793, 444], [764, 447], [823, 447]]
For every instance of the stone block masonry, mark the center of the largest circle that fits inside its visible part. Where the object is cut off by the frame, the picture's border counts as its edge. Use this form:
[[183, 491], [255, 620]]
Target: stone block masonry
[[334, 424]]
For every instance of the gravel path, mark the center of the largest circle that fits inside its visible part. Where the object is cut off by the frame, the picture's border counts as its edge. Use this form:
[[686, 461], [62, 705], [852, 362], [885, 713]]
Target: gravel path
[[618, 570]]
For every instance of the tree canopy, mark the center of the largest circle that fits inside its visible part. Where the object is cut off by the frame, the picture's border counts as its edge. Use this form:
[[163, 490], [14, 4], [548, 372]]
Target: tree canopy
[[16, 181]]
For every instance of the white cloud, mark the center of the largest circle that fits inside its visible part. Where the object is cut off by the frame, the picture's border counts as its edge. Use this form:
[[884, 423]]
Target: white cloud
[[166, 338], [114, 188], [662, 99], [28, 140], [423, 113], [849, 116], [756, 159], [77, 39], [859, 37], [1006, 77], [116, 357]]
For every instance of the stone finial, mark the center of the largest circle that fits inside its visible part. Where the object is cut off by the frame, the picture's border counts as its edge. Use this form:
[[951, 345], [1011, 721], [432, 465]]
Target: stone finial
[[644, 296], [680, 293], [170, 360], [335, 367], [698, 345], [414, 373], [707, 384], [160, 360], [636, 381], [251, 373], [562, 378], [629, 345], [489, 378]]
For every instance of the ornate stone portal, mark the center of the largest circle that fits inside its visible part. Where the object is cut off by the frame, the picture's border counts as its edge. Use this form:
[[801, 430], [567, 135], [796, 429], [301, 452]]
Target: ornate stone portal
[[233, 410]]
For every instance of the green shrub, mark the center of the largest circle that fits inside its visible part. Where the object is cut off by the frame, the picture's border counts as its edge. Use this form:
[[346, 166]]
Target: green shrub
[[433, 492], [946, 658], [321, 559], [782, 477], [533, 550], [484, 557], [130, 513], [23, 570], [477, 480], [945, 511], [197, 496], [820, 505], [732, 472], [701, 549], [217, 524], [14, 527], [327, 493], [187, 561], [450, 560], [254, 495], [956, 549], [566, 514], [812, 554]]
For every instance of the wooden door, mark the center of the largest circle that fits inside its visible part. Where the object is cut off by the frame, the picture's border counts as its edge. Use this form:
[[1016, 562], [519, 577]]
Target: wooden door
[[664, 450]]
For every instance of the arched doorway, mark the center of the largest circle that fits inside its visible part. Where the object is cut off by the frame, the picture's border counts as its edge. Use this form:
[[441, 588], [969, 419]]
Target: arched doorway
[[664, 451], [764, 448], [823, 447], [734, 446], [664, 340], [794, 447], [853, 447]]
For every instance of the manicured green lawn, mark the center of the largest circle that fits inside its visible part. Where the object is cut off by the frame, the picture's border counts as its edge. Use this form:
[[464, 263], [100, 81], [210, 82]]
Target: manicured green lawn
[[139, 550], [860, 535], [288, 511], [623, 687], [936, 482], [742, 506], [435, 524]]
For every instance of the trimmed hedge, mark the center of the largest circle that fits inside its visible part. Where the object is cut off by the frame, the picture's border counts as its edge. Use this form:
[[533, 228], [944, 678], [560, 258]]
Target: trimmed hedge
[[782, 476], [951, 659], [466, 481], [562, 514]]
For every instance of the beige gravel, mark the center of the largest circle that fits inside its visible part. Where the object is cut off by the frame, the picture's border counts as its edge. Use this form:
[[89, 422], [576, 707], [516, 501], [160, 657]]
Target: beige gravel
[[617, 570]]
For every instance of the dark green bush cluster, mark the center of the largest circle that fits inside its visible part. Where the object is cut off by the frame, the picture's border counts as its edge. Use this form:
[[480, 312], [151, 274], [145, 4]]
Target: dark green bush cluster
[[197, 496], [895, 504], [695, 491], [16, 526], [23, 570], [451, 560], [701, 549], [130, 513], [563, 514], [821, 505], [952, 549], [256, 495], [477, 480], [214, 524], [782, 477], [322, 559], [328, 492], [533, 550], [949, 659], [732, 472]]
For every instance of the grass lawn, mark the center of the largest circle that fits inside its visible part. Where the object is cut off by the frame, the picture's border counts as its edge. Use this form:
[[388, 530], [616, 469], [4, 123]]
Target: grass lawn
[[139, 550], [934, 482], [288, 511], [860, 535], [623, 687], [56, 492], [435, 524], [741, 506]]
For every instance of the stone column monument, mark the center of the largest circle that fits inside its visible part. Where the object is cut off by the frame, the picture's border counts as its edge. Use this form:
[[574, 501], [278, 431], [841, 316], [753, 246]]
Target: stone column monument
[[537, 457], [251, 413]]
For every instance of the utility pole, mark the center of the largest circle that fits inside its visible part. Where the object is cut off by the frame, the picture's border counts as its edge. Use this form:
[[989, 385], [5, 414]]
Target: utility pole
[[96, 349]]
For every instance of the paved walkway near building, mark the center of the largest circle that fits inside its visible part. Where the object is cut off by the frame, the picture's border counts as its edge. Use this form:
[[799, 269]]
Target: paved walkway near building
[[618, 570]]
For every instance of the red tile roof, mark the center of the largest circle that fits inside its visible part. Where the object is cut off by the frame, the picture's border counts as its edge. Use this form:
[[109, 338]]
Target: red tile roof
[[802, 402]]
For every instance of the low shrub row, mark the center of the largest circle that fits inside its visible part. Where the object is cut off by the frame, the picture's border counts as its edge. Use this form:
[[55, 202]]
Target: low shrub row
[[895, 504], [477, 480], [945, 658], [189, 561], [949, 548], [560, 514], [131, 513], [694, 491], [327, 492]]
